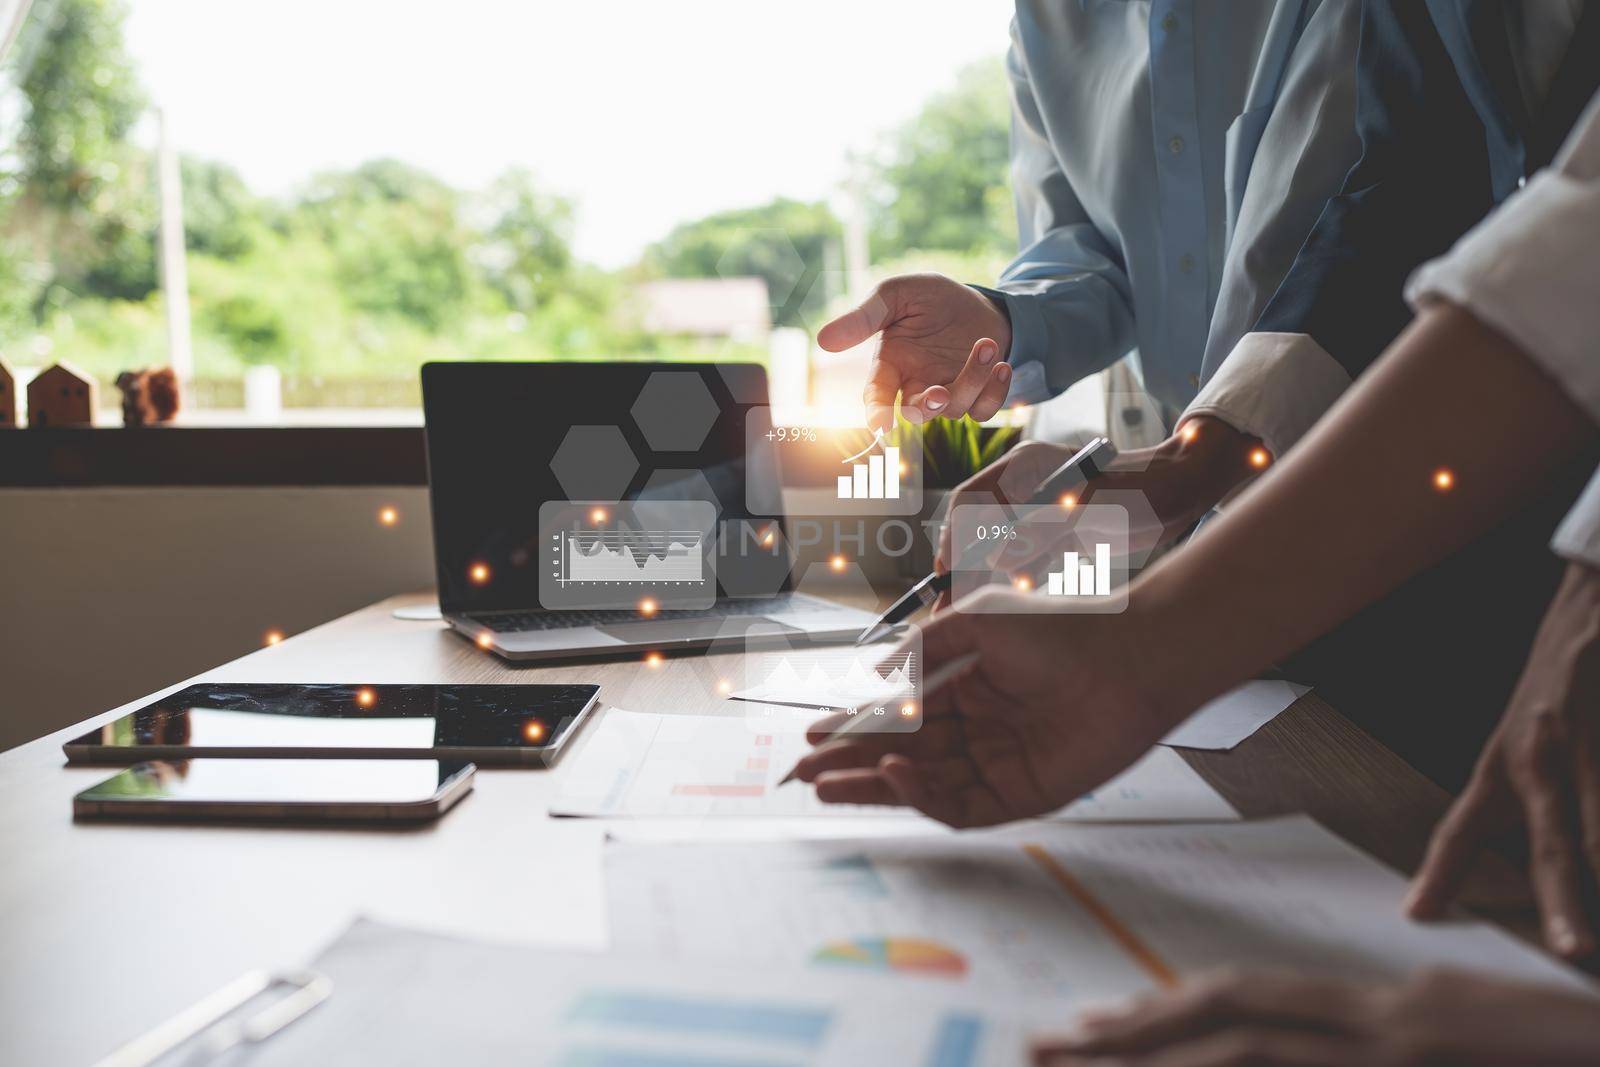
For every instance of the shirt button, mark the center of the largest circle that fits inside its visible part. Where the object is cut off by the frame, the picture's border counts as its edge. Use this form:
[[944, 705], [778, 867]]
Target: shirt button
[[1522, 181], [1176, 144], [1186, 263], [1169, 23]]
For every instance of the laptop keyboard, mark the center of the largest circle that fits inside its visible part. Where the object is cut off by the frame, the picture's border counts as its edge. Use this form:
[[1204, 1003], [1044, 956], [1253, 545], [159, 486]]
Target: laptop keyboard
[[506, 622]]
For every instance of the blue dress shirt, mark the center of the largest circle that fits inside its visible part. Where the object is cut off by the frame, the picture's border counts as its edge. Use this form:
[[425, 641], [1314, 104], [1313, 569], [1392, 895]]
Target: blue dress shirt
[[1134, 126]]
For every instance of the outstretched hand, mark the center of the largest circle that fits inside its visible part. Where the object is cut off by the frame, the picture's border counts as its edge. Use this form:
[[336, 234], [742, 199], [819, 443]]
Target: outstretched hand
[[942, 348]]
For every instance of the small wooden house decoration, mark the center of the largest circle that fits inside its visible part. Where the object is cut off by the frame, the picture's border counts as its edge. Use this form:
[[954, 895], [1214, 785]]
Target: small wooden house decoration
[[8, 397], [61, 395]]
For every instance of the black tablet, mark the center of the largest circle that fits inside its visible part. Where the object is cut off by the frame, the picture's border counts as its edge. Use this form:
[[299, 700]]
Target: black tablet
[[519, 725]]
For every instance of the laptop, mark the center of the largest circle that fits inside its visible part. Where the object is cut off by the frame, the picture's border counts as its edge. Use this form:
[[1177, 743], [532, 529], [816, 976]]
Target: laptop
[[590, 509]]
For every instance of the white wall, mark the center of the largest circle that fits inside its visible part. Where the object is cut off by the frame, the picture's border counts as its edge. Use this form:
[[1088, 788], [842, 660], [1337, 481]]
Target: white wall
[[108, 594]]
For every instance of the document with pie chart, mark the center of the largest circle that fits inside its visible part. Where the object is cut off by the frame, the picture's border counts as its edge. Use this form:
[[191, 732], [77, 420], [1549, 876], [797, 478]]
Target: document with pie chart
[[1067, 913]]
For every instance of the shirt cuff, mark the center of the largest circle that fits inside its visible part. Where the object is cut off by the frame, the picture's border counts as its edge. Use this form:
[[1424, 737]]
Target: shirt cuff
[[1274, 386], [1528, 272], [1029, 345], [1578, 536]]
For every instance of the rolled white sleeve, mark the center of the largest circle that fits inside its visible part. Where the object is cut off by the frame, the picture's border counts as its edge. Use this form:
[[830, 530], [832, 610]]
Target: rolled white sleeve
[[1530, 271], [1274, 386], [1578, 536]]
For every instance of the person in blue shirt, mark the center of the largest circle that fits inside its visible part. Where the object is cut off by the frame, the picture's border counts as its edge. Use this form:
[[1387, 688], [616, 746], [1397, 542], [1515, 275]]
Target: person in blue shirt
[[1167, 171], [1134, 127], [1320, 235]]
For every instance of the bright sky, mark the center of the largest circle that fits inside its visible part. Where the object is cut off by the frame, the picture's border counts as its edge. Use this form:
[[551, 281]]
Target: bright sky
[[649, 113]]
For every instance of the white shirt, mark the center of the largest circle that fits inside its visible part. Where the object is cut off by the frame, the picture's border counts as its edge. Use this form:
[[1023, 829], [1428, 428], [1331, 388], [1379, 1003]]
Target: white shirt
[[1275, 386], [1531, 271]]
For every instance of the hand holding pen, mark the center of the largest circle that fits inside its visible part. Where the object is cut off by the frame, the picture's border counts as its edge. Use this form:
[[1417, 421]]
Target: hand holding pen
[[1048, 486]]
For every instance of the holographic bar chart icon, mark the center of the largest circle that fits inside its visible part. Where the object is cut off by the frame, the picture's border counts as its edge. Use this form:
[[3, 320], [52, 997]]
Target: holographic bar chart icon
[[1077, 578], [876, 479]]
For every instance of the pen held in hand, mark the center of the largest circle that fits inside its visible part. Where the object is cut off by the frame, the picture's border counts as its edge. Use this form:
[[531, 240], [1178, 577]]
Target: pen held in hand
[[941, 677], [1088, 463]]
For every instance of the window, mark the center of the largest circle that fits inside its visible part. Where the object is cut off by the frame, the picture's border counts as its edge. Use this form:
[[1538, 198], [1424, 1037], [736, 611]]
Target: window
[[294, 204]]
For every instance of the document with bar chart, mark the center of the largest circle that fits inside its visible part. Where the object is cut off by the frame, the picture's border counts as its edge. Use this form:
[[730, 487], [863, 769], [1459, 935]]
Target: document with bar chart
[[616, 554], [406, 996], [635, 765], [1073, 555]]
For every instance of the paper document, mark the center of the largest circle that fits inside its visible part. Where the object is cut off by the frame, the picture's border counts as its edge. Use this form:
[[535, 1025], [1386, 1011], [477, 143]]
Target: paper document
[[405, 997], [1235, 715], [1047, 911], [635, 764], [1220, 724]]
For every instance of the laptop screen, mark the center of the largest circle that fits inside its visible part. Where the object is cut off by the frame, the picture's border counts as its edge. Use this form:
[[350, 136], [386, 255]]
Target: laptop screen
[[601, 485]]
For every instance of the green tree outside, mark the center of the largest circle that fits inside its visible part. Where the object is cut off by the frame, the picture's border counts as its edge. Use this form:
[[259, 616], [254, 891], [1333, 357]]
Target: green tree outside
[[369, 272]]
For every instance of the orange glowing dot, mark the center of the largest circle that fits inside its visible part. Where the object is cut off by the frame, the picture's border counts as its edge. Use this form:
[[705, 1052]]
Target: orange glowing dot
[[485, 640], [1189, 432], [272, 637], [652, 659], [907, 710], [724, 686], [647, 606], [478, 573], [388, 516], [1069, 500], [366, 697], [905, 468], [1023, 584], [1444, 479], [533, 730], [837, 563], [768, 537], [597, 516], [1259, 458]]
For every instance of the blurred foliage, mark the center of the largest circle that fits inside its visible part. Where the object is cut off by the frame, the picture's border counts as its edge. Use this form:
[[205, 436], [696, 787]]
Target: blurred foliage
[[953, 450], [943, 183], [82, 100], [76, 197], [938, 198], [369, 272], [789, 243]]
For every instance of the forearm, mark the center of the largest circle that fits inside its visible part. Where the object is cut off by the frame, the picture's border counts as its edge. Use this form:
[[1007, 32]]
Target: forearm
[[1355, 510], [1070, 312]]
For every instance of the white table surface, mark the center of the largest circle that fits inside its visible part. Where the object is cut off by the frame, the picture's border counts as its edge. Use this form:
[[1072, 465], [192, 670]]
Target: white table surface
[[108, 929]]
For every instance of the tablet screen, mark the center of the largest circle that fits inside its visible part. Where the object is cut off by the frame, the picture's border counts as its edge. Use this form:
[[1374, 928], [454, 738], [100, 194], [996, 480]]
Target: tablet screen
[[278, 781], [222, 716]]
